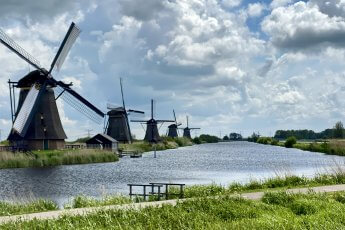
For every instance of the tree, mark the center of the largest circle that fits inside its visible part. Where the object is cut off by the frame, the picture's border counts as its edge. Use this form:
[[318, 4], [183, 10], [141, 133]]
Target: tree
[[338, 131], [226, 138]]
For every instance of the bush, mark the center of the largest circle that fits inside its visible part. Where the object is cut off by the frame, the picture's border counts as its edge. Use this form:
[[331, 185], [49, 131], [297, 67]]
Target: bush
[[264, 140], [274, 142], [290, 141], [208, 138], [196, 140]]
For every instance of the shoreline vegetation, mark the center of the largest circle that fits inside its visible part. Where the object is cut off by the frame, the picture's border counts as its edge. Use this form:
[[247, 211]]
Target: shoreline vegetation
[[213, 205], [139, 147], [329, 147], [330, 141], [276, 210], [49, 158], [167, 143]]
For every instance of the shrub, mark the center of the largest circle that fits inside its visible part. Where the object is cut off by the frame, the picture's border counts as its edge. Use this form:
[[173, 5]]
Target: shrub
[[197, 141], [274, 142], [208, 138], [264, 140], [290, 141]]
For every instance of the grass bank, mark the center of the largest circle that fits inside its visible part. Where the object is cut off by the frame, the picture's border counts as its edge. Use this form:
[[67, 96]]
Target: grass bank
[[284, 182], [167, 143], [49, 158], [8, 208], [330, 147], [277, 210]]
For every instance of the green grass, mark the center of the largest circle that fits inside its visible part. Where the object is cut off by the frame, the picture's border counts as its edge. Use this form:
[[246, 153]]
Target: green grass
[[282, 182], [8, 208], [329, 147], [195, 191], [275, 211], [49, 158], [84, 201], [167, 143]]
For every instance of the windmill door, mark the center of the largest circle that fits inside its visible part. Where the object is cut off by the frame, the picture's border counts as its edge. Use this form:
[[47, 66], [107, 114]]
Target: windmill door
[[45, 144]]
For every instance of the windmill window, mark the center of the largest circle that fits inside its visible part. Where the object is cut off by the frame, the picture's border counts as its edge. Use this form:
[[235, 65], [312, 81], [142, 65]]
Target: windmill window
[[42, 117], [45, 129]]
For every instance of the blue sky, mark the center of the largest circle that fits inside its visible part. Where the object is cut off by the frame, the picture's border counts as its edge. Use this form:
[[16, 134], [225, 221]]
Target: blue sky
[[231, 65]]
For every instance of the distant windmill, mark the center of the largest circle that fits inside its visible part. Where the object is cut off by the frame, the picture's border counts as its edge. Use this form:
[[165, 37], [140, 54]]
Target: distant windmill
[[173, 128], [187, 129], [152, 134], [118, 126], [36, 121]]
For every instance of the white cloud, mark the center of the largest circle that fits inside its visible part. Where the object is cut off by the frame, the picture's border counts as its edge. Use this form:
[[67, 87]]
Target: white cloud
[[302, 25], [255, 9]]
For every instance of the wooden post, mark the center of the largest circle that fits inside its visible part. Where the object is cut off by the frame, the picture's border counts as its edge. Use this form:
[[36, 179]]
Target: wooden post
[[166, 191], [130, 191], [152, 189], [181, 191], [159, 192], [144, 192]]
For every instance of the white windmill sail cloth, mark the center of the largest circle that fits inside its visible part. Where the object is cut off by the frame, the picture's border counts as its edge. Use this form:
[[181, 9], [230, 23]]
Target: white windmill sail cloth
[[5, 39], [25, 110], [68, 45]]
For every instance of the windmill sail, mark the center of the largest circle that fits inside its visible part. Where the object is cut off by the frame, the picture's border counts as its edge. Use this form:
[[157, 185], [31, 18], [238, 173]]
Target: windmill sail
[[79, 103], [71, 36], [26, 113], [17, 49], [135, 111]]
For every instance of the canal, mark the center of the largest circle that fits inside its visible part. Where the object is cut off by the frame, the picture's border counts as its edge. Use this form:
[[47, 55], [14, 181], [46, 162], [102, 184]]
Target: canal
[[220, 163]]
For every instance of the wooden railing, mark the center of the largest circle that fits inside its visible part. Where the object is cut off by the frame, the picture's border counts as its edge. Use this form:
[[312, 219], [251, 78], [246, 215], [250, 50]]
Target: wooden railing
[[149, 190]]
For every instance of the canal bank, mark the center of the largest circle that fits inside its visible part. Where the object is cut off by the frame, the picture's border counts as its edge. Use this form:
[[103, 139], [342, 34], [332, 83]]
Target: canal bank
[[300, 207], [219, 163]]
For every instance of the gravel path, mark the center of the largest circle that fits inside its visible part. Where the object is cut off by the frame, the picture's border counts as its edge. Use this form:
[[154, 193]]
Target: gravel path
[[84, 211]]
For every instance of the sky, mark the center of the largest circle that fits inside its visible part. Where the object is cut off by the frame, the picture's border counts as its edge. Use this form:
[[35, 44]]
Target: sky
[[230, 65]]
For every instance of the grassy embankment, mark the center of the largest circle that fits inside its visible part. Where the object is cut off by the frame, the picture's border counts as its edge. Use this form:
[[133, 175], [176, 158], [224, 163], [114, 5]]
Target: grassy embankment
[[49, 158], [330, 147], [274, 210], [338, 177], [167, 143]]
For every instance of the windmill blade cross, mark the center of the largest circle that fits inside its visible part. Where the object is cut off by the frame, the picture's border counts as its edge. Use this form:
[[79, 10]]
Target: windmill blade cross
[[17, 49], [159, 121], [135, 111], [67, 43], [141, 121]]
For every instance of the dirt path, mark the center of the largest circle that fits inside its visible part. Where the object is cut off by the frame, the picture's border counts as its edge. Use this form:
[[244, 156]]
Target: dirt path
[[84, 211]]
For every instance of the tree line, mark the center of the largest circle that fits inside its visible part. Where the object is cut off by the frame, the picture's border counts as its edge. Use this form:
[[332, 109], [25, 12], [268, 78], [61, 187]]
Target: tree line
[[337, 131]]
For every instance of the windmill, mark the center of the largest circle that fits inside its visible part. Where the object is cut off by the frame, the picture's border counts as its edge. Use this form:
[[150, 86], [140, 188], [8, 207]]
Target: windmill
[[152, 134], [36, 121], [118, 126], [187, 129], [173, 128]]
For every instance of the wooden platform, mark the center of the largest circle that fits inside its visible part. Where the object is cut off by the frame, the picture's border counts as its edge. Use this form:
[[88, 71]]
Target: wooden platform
[[131, 154]]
